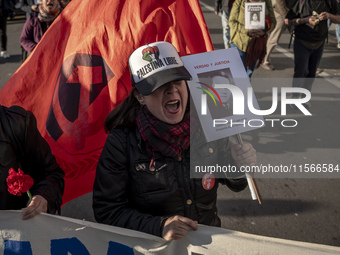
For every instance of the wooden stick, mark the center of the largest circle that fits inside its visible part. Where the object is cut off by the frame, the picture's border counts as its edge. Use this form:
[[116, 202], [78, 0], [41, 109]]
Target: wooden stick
[[255, 194]]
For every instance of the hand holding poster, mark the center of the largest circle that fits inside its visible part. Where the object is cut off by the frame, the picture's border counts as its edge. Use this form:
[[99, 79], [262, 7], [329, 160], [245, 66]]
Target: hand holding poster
[[218, 91], [255, 15]]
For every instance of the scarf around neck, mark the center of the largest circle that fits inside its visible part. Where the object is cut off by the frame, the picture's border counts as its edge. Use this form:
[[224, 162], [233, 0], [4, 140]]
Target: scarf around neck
[[170, 140], [257, 47], [48, 17]]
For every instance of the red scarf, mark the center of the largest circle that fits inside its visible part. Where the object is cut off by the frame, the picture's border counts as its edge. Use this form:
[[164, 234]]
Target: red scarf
[[258, 46], [170, 140]]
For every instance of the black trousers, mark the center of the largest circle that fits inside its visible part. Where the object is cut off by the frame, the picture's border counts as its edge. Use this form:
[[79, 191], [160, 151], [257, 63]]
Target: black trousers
[[3, 32], [306, 62]]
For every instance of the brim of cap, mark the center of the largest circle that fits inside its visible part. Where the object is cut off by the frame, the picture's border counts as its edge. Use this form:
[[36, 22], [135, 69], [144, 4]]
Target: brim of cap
[[150, 84]]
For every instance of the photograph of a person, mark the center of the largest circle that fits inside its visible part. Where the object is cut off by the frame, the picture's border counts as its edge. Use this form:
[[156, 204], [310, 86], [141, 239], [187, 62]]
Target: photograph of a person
[[255, 15], [255, 19], [221, 76]]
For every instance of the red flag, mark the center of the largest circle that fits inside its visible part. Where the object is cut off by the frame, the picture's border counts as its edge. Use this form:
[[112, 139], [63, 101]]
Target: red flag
[[78, 72]]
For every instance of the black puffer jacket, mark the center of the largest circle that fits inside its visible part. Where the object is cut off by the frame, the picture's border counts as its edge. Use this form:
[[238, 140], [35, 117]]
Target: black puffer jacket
[[127, 194], [34, 158]]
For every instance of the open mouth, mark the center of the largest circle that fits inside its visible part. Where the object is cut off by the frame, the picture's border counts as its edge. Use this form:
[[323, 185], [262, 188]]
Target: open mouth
[[172, 106]]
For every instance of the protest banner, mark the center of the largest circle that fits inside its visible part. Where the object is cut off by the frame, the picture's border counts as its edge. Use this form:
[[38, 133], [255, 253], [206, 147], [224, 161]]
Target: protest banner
[[78, 73], [56, 235]]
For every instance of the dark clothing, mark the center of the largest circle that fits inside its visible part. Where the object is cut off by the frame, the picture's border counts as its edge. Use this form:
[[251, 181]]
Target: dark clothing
[[3, 30], [36, 160], [309, 41], [306, 62], [6, 7], [128, 194], [320, 31], [222, 5], [32, 33]]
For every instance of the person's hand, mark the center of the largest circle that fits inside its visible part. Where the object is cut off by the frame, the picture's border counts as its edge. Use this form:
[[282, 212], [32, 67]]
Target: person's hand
[[176, 227], [256, 32], [313, 20], [34, 7], [325, 16], [244, 155], [252, 33], [260, 32], [35, 207]]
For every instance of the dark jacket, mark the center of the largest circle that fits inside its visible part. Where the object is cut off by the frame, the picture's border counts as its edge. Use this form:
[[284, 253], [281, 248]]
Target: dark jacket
[[127, 194], [306, 32], [35, 159], [33, 31]]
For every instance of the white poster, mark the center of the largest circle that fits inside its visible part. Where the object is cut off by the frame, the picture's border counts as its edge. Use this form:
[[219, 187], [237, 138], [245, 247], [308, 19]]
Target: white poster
[[255, 14], [222, 94]]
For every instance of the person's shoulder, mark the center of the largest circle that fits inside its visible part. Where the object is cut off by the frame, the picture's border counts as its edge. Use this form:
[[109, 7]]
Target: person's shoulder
[[120, 133], [16, 110], [33, 19]]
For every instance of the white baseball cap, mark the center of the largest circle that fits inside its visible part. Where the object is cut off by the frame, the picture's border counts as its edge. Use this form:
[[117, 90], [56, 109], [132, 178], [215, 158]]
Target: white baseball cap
[[154, 65]]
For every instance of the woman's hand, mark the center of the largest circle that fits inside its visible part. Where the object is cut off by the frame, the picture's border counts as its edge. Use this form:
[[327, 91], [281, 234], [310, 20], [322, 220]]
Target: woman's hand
[[244, 155], [256, 32], [35, 207], [176, 227]]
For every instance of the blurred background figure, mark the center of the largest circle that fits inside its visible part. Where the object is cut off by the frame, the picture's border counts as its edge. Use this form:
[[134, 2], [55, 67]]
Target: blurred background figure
[[63, 3], [36, 26], [280, 12], [223, 7], [250, 43], [27, 6], [311, 30], [6, 8]]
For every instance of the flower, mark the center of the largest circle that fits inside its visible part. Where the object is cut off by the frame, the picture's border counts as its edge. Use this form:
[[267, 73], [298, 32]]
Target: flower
[[18, 182]]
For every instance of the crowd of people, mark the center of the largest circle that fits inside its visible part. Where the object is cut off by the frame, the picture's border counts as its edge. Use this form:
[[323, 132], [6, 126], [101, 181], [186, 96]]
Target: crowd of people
[[307, 20], [39, 16]]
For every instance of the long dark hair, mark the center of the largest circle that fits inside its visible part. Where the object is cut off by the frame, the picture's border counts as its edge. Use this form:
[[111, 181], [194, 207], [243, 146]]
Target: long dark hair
[[124, 114]]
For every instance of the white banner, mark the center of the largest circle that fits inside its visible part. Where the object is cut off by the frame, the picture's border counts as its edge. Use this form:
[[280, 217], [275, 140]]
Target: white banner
[[56, 235]]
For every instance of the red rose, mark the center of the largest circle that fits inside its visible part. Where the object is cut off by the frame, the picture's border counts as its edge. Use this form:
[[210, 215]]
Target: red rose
[[18, 182]]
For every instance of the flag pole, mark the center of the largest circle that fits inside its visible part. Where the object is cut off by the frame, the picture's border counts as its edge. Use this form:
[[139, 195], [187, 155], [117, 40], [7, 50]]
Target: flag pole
[[255, 194]]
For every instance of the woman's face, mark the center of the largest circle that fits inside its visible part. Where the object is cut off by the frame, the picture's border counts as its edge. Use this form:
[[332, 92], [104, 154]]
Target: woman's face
[[50, 5], [255, 17], [167, 103], [224, 93]]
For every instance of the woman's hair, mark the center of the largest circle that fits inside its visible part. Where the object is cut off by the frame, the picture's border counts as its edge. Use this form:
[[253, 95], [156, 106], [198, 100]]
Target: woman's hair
[[124, 114]]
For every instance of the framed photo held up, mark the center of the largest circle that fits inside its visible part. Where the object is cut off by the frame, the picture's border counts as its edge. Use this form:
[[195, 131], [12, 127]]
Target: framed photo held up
[[255, 14]]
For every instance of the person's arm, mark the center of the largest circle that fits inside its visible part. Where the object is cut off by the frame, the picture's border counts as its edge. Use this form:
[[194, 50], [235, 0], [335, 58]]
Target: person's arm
[[111, 203], [234, 23], [281, 7], [270, 10], [38, 162], [301, 21], [27, 38], [333, 18]]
